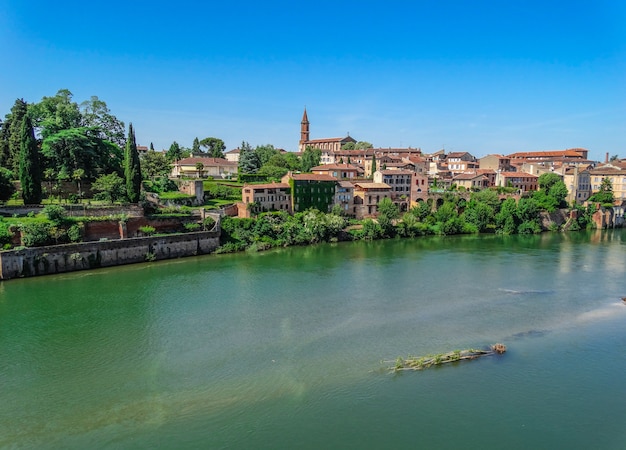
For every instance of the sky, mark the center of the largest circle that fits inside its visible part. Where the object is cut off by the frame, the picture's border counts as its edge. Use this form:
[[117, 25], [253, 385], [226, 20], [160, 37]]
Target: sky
[[478, 76]]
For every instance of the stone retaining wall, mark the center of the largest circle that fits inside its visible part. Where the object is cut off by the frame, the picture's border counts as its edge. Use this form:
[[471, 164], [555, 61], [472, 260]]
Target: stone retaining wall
[[90, 255]]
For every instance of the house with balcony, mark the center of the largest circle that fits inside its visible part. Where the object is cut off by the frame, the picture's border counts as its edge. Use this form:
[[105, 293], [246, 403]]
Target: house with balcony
[[344, 197]]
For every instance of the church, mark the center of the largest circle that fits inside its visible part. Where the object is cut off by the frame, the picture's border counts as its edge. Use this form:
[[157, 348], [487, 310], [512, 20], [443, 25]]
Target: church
[[326, 145]]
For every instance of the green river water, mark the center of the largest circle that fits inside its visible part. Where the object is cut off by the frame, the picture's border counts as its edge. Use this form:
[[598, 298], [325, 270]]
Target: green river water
[[283, 349]]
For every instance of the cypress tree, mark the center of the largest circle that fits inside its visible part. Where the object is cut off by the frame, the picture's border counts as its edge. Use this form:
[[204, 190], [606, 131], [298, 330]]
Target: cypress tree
[[373, 164], [29, 168], [132, 169]]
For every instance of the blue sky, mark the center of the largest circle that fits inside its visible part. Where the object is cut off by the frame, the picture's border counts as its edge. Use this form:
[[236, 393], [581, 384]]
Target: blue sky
[[477, 76]]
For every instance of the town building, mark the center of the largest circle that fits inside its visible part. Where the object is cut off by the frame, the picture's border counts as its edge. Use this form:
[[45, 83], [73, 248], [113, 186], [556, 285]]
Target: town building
[[471, 181], [497, 163], [578, 183], [615, 172], [339, 171], [257, 198], [367, 196], [524, 182], [325, 145], [344, 197], [460, 162], [311, 191], [399, 182], [203, 167]]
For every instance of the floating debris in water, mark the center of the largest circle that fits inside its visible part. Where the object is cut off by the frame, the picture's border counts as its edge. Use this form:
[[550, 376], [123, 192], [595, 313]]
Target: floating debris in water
[[424, 362]]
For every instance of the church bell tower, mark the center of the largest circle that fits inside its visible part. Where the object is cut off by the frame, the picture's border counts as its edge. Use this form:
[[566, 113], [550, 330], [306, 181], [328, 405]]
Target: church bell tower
[[304, 130]]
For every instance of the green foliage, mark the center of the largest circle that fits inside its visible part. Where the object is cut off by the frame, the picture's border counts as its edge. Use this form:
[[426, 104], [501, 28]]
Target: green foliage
[[506, 218], [223, 192], [30, 171], [371, 230], [109, 188], [312, 195], [56, 214], [36, 234], [155, 165], [53, 114], [7, 189], [195, 146], [605, 195], [11, 136], [5, 233], [311, 157], [192, 226], [132, 167], [80, 149], [552, 192], [272, 172], [479, 215], [215, 147], [265, 153], [208, 223], [75, 233], [147, 230], [249, 161], [174, 153], [360, 145], [96, 115]]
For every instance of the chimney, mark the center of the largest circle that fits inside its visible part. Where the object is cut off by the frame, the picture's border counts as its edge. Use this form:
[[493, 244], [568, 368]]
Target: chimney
[[606, 160]]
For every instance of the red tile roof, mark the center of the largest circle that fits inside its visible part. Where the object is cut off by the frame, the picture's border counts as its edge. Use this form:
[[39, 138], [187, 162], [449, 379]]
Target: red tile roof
[[313, 177]]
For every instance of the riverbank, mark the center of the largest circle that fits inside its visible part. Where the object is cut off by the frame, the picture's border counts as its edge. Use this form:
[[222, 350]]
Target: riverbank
[[53, 259]]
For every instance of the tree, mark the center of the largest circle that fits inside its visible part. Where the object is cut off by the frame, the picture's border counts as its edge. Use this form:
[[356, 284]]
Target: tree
[[151, 146], [373, 164], [348, 146], [311, 157], [7, 189], [77, 176], [30, 173], [614, 158], [361, 145], [605, 195], [132, 167], [195, 147], [387, 212], [249, 161], [12, 136], [266, 152], [53, 114], [109, 188], [96, 114], [215, 147], [80, 148], [174, 153], [155, 164]]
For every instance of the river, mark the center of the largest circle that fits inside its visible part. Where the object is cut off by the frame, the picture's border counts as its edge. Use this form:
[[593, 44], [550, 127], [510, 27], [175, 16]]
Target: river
[[283, 349]]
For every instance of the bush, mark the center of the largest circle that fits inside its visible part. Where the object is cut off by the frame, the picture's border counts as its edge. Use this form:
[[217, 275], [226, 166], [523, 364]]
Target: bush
[[56, 213], [36, 234], [75, 233], [192, 226], [5, 234], [147, 230], [208, 223]]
